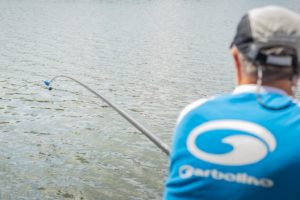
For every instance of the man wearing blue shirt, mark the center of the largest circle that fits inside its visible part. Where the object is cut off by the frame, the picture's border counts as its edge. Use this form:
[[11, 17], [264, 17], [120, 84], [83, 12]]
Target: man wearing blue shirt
[[246, 145]]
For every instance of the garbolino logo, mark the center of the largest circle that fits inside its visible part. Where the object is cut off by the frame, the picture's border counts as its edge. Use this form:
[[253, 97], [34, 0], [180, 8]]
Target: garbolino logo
[[247, 148], [187, 171]]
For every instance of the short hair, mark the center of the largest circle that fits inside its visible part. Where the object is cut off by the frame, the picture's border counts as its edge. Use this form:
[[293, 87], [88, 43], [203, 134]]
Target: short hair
[[270, 72]]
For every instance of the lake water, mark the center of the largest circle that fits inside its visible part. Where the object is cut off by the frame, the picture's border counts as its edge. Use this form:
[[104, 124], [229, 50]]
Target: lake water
[[151, 57]]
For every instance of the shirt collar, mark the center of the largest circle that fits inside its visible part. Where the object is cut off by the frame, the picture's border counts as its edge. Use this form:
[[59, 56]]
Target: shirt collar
[[252, 88]]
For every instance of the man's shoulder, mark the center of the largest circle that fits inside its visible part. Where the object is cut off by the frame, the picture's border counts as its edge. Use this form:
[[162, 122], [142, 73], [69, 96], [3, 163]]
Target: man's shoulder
[[200, 103], [217, 106], [192, 106]]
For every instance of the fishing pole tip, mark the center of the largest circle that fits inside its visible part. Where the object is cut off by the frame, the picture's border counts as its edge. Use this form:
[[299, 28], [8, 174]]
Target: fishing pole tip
[[47, 84]]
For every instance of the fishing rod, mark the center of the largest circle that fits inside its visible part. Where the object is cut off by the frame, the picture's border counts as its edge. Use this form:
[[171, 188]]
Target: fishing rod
[[153, 138]]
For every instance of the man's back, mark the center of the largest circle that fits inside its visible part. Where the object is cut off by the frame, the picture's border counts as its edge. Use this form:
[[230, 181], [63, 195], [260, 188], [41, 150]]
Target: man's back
[[231, 147]]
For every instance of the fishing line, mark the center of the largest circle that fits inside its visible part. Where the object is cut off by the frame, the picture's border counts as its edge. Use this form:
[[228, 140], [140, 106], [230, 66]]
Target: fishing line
[[153, 138]]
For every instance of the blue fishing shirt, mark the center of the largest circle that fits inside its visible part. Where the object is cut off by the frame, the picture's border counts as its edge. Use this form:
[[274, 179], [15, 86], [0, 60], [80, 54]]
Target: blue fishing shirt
[[233, 148]]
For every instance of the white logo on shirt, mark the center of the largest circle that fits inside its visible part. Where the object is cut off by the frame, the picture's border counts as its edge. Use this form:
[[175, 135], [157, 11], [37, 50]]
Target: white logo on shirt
[[187, 171], [247, 149]]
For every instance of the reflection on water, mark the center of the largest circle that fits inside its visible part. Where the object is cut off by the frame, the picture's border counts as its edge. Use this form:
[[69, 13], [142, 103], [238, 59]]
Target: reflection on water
[[149, 57]]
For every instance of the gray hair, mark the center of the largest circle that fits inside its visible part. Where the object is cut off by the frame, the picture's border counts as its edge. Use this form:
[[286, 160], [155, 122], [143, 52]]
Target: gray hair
[[270, 72]]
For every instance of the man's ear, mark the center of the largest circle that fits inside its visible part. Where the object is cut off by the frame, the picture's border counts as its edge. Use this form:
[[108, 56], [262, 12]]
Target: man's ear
[[237, 63]]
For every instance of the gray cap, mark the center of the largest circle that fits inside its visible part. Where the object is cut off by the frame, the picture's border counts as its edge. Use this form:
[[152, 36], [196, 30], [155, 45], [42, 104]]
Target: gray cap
[[269, 27]]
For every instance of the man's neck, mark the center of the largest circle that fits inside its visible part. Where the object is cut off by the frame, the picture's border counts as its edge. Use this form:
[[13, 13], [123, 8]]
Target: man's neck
[[284, 85]]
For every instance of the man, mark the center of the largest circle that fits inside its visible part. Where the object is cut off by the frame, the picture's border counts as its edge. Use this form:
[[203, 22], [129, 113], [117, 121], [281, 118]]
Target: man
[[246, 145]]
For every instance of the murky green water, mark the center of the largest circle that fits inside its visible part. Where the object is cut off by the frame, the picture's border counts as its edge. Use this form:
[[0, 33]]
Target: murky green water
[[149, 57]]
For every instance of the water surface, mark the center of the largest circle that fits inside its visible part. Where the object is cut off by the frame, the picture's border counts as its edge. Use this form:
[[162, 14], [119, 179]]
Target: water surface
[[150, 57]]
